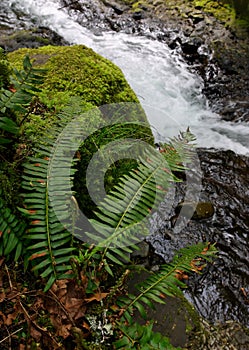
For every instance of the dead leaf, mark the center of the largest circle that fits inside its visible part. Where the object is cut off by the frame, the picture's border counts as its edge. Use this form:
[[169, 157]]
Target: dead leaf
[[35, 333], [97, 296]]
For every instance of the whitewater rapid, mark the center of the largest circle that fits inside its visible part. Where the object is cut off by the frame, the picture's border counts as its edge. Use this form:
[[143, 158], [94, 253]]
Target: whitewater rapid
[[170, 94]]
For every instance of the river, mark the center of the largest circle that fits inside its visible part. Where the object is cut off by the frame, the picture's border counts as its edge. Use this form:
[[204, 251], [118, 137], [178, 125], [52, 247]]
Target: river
[[169, 92]]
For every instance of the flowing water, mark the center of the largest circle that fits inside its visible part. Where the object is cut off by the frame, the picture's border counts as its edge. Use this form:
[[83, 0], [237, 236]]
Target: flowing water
[[169, 93]]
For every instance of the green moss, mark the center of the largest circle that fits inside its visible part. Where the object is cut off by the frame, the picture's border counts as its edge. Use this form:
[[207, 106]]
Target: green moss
[[223, 12], [72, 70], [77, 70]]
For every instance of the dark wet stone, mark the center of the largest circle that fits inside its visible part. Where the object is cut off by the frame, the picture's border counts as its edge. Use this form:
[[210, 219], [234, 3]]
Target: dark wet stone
[[173, 319], [217, 292], [138, 15], [195, 210], [37, 37]]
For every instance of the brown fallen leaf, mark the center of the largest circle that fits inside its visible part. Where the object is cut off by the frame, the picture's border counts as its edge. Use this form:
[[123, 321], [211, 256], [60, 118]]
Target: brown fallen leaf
[[96, 296]]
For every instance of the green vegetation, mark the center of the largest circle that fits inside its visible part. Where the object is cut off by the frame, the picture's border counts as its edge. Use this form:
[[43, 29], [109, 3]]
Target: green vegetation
[[230, 13], [83, 272]]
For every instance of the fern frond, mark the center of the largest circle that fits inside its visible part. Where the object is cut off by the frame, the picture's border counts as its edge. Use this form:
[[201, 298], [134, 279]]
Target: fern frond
[[50, 242], [179, 150], [11, 232], [165, 281], [47, 182], [51, 247], [24, 87], [122, 220], [136, 336]]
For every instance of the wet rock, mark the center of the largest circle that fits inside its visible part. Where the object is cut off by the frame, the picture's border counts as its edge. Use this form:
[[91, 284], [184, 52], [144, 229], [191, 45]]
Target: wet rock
[[138, 15], [37, 37], [195, 211], [143, 251], [191, 46], [229, 335], [221, 292], [117, 7], [174, 319]]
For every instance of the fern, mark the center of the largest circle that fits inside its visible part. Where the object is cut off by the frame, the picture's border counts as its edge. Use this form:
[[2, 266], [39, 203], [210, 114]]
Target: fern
[[24, 84], [11, 232], [123, 217], [53, 249], [23, 87], [165, 281], [47, 182], [136, 336]]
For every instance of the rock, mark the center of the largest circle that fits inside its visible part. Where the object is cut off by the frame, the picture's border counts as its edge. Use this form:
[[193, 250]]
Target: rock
[[217, 292], [118, 8], [174, 319], [143, 251], [138, 15], [71, 67], [11, 41], [79, 71], [195, 211]]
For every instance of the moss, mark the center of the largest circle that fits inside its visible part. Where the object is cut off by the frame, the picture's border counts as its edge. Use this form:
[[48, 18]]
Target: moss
[[223, 12], [72, 70], [77, 70]]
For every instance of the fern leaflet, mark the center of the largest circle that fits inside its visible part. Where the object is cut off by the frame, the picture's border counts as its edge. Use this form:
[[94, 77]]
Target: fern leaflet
[[136, 336], [164, 282]]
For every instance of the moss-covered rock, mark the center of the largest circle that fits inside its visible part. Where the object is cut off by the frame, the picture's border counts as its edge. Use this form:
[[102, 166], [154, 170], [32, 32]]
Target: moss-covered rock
[[76, 70], [71, 71], [176, 319], [79, 71]]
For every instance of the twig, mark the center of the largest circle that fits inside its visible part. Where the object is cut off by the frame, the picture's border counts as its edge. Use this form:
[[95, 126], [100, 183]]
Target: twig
[[36, 325], [56, 299], [10, 335], [10, 283]]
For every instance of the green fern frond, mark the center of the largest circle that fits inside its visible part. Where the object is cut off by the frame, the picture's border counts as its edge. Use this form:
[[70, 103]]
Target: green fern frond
[[50, 241], [122, 219], [51, 244], [24, 87], [179, 150], [164, 282], [47, 182], [12, 232], [136, 336]]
